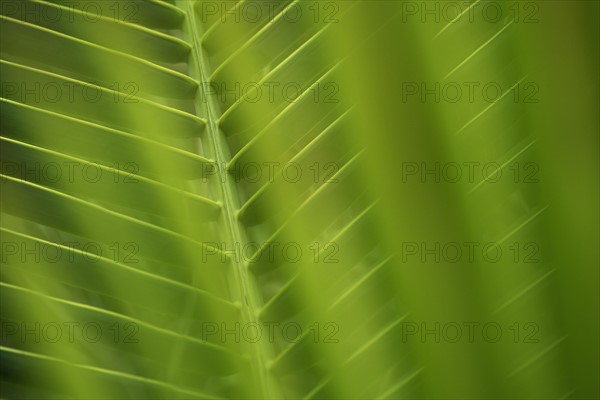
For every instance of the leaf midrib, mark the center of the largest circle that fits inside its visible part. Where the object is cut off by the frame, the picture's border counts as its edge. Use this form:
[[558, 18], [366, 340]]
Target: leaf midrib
[[234, 232]]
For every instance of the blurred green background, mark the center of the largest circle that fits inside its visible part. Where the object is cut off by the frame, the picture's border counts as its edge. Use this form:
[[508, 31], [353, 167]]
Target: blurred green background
[[299, 199]]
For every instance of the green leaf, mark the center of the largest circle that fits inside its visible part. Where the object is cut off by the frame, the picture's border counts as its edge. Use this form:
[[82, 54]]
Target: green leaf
[[255, 199]]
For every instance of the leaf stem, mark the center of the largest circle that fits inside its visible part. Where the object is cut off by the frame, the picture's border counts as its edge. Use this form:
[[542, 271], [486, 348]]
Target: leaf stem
[[234, 231]]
